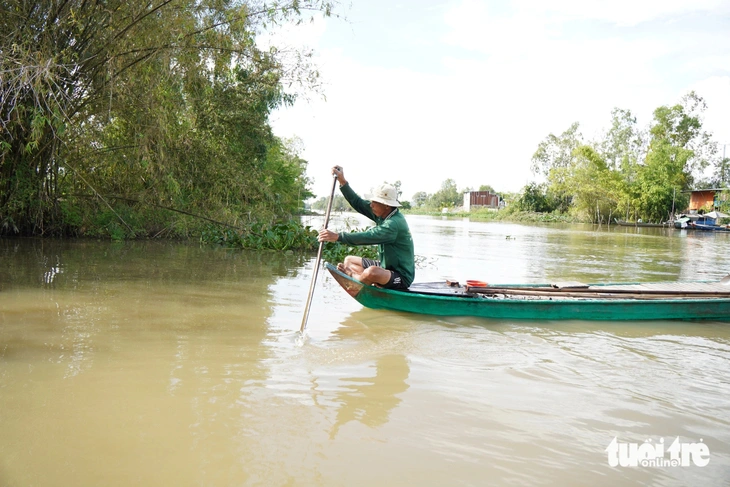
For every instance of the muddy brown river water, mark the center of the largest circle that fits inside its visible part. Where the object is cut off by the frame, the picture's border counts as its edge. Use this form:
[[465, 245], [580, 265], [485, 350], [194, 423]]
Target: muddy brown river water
[[158, 363]]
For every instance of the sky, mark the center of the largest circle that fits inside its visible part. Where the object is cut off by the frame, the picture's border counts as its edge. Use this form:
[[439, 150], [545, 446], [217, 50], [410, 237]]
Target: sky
[[421, 91]]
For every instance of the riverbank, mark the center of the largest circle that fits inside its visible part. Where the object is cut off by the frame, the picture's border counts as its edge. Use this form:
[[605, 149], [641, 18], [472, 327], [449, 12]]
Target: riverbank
[[486, 214]]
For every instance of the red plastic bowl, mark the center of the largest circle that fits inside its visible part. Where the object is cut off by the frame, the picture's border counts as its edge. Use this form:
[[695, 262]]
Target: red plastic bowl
[[471, 283]]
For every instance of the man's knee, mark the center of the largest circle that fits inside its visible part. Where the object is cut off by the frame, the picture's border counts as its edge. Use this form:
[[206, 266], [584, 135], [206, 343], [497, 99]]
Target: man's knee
[[354, 262], [375, 274]]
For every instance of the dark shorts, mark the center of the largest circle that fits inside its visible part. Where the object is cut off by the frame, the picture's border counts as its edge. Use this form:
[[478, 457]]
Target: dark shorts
[[396, 280]]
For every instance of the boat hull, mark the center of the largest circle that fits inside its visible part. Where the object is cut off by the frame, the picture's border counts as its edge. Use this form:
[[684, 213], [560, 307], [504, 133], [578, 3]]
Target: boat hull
[[652, 225], [708, 228], [555, 308]]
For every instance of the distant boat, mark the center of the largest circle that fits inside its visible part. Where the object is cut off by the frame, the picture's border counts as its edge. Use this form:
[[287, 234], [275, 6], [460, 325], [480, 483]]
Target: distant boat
[[709, 228], [624, 223], [682, 221], [706, 222], [696, 300]]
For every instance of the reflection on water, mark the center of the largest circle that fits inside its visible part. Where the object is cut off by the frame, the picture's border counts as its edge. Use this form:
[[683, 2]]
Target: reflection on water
[[501, 252], [371, 399], [156, 363]]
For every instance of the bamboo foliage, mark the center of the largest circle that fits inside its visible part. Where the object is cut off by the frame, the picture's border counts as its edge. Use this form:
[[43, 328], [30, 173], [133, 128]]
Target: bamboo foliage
[[165, 102]]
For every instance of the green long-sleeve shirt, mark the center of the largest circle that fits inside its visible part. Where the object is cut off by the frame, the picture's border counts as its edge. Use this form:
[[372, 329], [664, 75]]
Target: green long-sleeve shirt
[[391, 234]]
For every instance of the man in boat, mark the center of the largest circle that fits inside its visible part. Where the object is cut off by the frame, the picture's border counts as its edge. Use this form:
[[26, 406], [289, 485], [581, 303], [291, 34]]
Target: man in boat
[[396, 267]]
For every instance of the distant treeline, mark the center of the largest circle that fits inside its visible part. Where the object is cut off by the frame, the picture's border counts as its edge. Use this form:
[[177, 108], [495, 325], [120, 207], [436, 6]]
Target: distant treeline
[[130, 119], [629, 171]]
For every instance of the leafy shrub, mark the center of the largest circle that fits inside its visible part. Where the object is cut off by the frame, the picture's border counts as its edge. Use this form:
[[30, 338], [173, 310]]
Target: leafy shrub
[[284, 236], [337, 251], [262, 236]]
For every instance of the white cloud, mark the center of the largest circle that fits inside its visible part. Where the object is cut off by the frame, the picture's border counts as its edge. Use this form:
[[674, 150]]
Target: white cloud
[[308, 33], [716, 93], [620, 12], [496, 81]]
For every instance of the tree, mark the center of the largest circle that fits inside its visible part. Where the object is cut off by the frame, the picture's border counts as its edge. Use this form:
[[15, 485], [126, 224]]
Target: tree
[[596, 188], [623, 148], [447, 197], [624, 145], [554, 159], [678, 149], [535, 198], [629, 169], [339, 203], [157, 102], [419, 199], [680, 126], [487, 187], [723, 200], [721, 174], [661, 180], [554, 155]]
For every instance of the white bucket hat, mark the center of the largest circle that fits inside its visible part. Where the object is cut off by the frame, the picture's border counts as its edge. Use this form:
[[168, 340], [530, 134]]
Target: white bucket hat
[[387, 195]]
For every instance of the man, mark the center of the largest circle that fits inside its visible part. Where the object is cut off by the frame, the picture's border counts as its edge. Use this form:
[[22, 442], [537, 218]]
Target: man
[[396, 267]]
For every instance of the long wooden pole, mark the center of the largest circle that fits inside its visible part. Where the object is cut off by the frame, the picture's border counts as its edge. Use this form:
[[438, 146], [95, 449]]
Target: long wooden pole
[[319, 257], [614, 296], [598, 293]]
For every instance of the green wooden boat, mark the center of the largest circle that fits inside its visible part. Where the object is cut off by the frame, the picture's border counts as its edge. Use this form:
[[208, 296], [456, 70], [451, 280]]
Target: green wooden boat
[[693, 300]]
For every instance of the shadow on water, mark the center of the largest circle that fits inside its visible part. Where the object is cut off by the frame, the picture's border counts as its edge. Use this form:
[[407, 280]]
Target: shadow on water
[[358, 373], [75, 291], [383, 326], [106, 345], [701, 328], [67, 263]]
